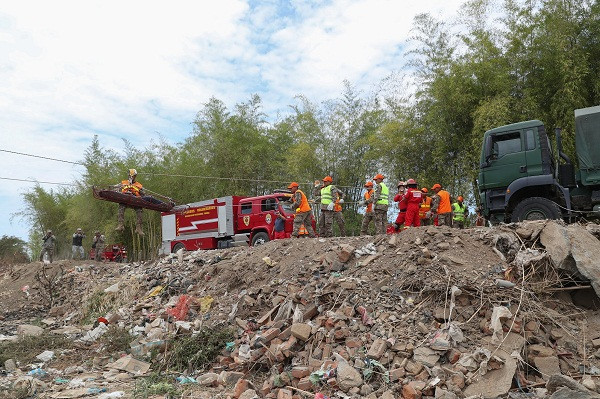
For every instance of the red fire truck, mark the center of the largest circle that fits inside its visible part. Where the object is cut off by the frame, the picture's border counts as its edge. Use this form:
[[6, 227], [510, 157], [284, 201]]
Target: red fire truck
[[225, 222]]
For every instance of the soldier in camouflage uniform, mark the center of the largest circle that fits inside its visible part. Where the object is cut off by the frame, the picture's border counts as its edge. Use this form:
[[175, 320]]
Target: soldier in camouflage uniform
[[48, 246], [303, 211], [325, 194], [380, 199], [98, 245]]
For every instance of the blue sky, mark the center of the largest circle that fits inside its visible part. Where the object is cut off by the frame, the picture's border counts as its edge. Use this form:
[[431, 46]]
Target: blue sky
[[133, 70]]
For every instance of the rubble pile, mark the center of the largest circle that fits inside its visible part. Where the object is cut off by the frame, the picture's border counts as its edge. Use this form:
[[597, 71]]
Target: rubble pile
[[431, 312]]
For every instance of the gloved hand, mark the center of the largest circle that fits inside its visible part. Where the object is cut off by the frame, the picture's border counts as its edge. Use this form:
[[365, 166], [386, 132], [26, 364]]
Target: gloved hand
[[341, 201], [361, 203], [297, 210], [330, 206]]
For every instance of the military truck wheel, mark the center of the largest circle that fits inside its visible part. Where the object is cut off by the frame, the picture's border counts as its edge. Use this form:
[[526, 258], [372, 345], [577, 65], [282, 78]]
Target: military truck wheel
[[178, 246], [260, 238], [535, 208]]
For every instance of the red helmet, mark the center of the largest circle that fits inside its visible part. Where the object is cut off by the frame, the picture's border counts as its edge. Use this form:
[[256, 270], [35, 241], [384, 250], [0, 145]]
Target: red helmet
[[411, 182], [378, 176], [328, 179], [401, 183], [460, 198]]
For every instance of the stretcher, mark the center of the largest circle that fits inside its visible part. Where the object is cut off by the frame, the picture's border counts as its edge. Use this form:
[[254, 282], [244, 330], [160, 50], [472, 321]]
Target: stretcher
[[145, 202]]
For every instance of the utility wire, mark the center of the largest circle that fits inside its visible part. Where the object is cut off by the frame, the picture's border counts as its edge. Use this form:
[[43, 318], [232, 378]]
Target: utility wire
[[42, 157], [37, 181], [167, 174]]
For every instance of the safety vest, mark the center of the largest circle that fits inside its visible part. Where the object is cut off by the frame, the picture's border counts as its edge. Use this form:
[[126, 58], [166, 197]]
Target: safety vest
[[459, 212], [444, 206], [131, 188], [302, 230], [304, 206], [369, 194], [384, 196], [424, 207], [326, 197]]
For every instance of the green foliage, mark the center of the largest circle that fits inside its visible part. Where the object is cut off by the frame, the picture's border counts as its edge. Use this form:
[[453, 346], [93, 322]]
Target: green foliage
[[194, 352], [26, 348], [116, 339], [155, 384], [13, 250]]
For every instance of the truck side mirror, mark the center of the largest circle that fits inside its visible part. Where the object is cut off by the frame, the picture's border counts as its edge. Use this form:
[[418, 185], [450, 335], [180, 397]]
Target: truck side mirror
[[487, 151]]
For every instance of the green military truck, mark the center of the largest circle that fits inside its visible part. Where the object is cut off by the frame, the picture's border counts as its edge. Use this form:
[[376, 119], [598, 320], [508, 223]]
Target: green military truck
[[521, 179]]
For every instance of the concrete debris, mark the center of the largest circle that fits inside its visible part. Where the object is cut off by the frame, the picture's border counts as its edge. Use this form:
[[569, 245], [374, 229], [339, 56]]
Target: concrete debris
[[429, 312]]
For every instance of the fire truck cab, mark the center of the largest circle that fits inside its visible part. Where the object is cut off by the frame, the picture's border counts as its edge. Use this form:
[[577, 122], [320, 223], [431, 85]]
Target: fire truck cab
[[225, 222]]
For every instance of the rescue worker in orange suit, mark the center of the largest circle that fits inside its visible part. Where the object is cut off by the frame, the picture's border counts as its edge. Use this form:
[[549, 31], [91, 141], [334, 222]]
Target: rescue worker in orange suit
[[303, 211], [440, 206], [369, 215], [399, 198], [425, 208], [381, 200], [325, 194], [131, 187], [338, 216], [413, 198]]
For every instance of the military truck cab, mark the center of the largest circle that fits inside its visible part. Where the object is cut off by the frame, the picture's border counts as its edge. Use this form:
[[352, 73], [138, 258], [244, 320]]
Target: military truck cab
[[520, 178]]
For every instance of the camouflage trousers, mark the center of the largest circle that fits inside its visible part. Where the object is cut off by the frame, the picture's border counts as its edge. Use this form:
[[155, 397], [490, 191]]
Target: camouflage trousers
[[49, 251], [303, 218], [326, 223], [380, 221], [364, 227], [339, 219], [98, 252], [445, 219], [138, 214]]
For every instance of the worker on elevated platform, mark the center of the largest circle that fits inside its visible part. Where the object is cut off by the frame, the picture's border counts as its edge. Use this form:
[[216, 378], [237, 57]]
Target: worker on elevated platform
[[132, 187]]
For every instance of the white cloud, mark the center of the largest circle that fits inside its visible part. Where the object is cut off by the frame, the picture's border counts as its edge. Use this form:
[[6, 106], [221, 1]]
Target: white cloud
[[72, 69]]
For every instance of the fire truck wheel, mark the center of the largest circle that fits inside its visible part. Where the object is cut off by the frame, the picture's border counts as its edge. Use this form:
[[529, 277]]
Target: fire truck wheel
[[178, 246], [260, 238]]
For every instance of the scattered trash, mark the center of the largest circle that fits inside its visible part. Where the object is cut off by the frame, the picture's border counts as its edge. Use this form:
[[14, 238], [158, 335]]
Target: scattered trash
[[504, 283], [205, 303], [45, 356], [182, 379], [180, 311], [269, 261]]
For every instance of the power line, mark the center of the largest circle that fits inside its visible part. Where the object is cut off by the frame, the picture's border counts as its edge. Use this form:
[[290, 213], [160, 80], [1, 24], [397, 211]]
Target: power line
[[162, 174], [42, 157], [37, 181]]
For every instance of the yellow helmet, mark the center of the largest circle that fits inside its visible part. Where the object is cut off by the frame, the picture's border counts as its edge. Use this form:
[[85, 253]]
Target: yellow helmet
[[132, 172]]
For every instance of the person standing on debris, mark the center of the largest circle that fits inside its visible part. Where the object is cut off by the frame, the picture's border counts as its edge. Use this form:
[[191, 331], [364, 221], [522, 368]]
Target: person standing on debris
[[413, 198], [479, 219], [459, 213], [132, 187], [369, 215], [381, 201], [440, 206], [338, 216], [77, 245], [279, 226], [325, 193], [399, 198], [425, 208], [98, 244], [48, 246], [303, 211]]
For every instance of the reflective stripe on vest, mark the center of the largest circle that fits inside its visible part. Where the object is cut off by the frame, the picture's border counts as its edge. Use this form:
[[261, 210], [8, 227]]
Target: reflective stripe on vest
[[131, 188], [445, 205], [326, 195], [424, 207], [384, 196], [368, 195], [304, 206], [459, 212]]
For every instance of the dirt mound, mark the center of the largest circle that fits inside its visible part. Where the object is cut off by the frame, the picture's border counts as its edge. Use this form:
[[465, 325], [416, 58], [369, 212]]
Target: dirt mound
[[430, 311]]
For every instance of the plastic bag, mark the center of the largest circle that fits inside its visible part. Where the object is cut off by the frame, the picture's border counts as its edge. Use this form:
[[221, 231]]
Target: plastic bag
[[180, 310]]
